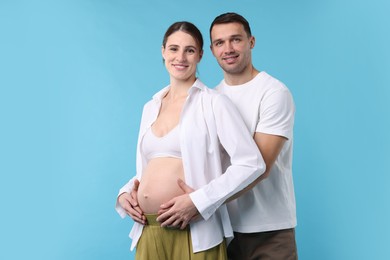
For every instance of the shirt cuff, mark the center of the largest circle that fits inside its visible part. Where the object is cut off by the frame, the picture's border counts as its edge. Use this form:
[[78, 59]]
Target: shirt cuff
[[203, 204]]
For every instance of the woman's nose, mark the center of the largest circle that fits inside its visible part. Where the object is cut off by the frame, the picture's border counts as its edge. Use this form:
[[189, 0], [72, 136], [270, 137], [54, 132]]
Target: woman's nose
[[181, 56]]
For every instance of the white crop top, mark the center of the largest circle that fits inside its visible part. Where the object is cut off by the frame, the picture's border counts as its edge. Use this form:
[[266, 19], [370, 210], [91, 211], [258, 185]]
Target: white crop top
[[166, 146]]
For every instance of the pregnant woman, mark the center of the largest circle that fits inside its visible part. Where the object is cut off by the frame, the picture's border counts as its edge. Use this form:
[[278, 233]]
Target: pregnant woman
[[184, 131]]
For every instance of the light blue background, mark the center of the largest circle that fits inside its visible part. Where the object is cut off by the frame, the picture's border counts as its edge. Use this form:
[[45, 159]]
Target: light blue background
[[75, 74]]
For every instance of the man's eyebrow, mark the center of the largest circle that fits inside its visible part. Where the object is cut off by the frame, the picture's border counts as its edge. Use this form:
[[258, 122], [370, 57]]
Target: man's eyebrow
[[217, 40], [236, 35], [230, 37]]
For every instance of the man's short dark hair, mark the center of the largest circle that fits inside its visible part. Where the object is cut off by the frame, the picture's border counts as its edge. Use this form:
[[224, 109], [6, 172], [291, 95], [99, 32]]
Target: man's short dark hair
[[232, 18]]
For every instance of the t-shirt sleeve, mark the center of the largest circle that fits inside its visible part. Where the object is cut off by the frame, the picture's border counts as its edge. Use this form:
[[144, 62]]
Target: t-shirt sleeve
[[276, 115]]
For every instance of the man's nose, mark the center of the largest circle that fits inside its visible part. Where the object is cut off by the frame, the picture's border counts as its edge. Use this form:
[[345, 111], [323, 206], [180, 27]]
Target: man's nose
[[229, 47]]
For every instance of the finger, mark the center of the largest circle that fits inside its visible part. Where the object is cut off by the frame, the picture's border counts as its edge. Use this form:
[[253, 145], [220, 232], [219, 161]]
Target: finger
[[184, 186], [167, 205], [133, 200], [139, 220], [166, 218], [162, 217], [136, 185], [184, 224], [165, 211], [136, 211], [136, 216], [169, 222], [196, 217], [161, 211], [134, 195], [177, 224]]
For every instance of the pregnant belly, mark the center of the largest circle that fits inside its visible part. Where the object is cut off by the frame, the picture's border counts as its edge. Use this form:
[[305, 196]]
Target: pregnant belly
[[159, 183]]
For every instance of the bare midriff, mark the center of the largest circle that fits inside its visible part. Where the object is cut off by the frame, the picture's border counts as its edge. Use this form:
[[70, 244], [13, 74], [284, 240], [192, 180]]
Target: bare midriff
[[159, 183]]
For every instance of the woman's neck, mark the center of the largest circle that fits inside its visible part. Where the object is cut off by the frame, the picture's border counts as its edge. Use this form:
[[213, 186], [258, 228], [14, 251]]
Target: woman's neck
[[179, 88]]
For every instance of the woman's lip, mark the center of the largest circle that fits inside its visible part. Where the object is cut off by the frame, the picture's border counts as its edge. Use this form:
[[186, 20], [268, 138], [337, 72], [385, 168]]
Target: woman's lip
[[180, 66]]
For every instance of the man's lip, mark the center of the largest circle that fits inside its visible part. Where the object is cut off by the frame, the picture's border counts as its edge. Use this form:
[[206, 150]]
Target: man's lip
[[230, 57]]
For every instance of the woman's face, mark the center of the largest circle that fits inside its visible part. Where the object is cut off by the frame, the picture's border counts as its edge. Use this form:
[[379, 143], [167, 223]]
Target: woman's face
[[181, 55]]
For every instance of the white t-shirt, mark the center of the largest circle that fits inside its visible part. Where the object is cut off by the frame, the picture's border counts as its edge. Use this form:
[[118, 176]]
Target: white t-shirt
[[210, 125], [266, 106]]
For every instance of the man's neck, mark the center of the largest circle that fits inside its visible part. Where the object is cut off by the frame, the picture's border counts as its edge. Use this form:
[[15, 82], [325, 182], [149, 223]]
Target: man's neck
[[241, 78]]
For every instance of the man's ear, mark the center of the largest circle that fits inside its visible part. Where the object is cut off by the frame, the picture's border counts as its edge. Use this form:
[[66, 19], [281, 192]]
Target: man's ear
[[252, 41]]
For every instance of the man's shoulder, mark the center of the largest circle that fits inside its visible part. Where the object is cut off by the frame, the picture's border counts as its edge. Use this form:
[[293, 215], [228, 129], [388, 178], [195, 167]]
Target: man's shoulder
[[273, 82], [220, 84]]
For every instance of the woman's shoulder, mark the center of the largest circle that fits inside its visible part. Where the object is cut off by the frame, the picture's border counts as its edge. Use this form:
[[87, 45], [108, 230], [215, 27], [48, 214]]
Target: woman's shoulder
[[207, 90], [216, 98]]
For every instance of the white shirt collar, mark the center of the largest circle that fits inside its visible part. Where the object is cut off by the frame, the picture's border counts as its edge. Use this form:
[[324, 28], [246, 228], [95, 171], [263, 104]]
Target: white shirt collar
[[198, 85]]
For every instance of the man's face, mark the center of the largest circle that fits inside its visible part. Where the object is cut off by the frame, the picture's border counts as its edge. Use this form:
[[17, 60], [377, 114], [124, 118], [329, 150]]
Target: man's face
[[232, 47]]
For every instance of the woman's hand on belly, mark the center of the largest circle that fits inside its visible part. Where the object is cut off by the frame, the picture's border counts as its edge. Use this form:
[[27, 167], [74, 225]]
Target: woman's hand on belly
[[179, 211], [129, 203]]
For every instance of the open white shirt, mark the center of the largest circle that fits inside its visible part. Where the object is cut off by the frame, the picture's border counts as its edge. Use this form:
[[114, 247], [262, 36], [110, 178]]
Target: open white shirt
[[210, 127]]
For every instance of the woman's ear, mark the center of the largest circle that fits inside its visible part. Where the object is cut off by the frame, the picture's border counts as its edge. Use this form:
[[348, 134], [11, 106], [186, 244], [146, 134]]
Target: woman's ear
[[162, 51], [200, 55]]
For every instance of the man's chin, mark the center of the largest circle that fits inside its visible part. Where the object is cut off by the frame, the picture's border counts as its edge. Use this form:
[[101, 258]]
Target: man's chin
[[231, 70]]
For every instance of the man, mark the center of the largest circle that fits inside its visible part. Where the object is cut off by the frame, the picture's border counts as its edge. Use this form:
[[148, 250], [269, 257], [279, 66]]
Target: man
[[264, 217]]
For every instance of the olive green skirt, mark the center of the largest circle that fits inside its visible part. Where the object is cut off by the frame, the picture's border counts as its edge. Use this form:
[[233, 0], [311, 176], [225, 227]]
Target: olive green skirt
[[157, 243]]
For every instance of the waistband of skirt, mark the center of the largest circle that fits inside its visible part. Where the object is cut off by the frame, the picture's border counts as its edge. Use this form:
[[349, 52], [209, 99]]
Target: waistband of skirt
[[152, 220]]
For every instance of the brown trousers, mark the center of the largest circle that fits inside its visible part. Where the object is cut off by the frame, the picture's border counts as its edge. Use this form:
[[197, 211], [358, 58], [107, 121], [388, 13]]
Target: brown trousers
[[272, 245]]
